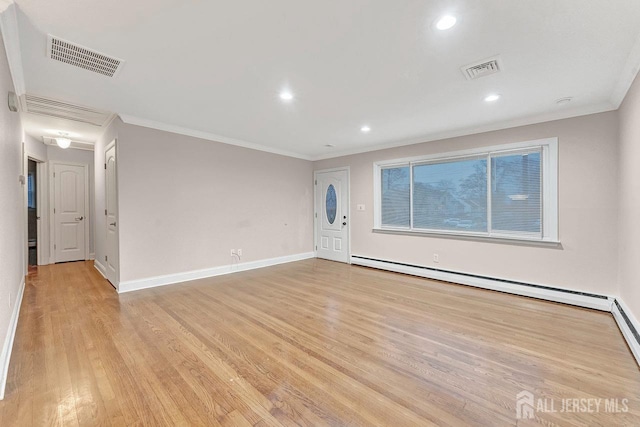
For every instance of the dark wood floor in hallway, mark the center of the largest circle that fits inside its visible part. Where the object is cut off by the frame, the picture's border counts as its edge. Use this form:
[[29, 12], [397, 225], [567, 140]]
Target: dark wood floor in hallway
[[307, 343]]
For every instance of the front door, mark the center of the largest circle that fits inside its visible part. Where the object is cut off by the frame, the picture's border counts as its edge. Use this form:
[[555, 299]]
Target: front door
[[332, 215], [69, 212]]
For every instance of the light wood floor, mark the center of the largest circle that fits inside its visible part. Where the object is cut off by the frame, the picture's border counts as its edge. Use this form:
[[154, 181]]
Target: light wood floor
[[306, 343]]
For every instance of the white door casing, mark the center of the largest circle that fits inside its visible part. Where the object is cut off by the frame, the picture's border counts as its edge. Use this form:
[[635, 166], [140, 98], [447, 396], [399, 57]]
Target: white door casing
[[111, 215], [41, 216], [332, 215], [70, 212]]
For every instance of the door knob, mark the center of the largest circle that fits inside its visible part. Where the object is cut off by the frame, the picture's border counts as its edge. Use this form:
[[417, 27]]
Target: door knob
[[79, 218], [113, 224]]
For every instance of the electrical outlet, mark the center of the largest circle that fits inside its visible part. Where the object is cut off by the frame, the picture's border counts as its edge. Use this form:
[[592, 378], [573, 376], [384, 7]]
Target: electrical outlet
[[239, 252], [233, 252], [436, 258]]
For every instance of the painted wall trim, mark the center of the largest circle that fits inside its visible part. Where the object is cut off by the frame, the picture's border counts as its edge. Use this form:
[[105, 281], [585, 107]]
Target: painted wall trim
[[627, 76], [98, 266], [629, 326], [152, 282], [581, 299], [132, 120], [10, 34], [5, 356], [491, 127]]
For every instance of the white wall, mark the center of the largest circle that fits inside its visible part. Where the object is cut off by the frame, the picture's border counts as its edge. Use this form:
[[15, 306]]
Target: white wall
[[587, 260], [12, 212], [185, 202], [35, 148], [629, 206]]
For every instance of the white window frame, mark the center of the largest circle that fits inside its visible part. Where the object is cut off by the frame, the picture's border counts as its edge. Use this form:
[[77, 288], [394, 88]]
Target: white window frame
[[549, 171]]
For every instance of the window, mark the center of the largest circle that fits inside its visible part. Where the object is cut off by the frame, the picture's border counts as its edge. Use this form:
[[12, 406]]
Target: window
[[507, 191]]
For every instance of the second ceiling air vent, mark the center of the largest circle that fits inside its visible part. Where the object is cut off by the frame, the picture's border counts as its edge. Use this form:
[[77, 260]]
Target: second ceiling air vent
[[64, 110], [80, 56], [482, 68]]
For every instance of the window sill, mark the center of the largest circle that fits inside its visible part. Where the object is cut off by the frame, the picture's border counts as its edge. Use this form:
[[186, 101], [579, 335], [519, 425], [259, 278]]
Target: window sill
[[523, 241]]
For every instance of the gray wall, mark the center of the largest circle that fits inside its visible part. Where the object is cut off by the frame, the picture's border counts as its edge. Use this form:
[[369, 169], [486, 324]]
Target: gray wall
[[629, 207], [588, 200], [12, 213], [185, 202]]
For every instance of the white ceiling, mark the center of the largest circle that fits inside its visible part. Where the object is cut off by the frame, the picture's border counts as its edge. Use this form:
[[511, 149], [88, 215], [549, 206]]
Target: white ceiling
[[215, 68]]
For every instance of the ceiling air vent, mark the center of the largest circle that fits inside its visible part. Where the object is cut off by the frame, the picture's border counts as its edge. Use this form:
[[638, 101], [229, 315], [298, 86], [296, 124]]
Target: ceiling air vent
[[73, 54], [482, 68], [63, 110]]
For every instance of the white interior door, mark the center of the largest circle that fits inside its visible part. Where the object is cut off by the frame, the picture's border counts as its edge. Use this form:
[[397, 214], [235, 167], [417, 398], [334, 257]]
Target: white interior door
[[332, 215], [111, 211], [69, 212]]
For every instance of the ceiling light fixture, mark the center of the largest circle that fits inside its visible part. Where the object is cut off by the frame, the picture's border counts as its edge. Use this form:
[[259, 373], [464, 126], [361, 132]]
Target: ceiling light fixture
[[63, 141], [286, 95], [446, 22], [492, 98], [365, 129]]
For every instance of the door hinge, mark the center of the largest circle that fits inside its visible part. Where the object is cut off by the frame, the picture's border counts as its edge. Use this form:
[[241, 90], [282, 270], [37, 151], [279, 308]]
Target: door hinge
[[54, 174], [316, 182], [316, 247], [54, 210], [316, 214], [105, 211], [55, 246], [106, 258], [105, 166]]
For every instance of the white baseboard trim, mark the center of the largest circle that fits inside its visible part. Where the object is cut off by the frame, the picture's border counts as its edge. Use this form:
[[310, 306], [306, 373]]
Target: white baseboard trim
[[152, 282], [544, 292], [633, 339], [98, 266], [92, 256], [5, 356]]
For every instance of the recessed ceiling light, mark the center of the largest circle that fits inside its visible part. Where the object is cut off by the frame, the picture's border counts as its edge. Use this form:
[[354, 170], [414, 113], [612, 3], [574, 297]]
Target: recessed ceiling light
[[492, 98], [365, 129], [564, 101], [286, 95], [446, 22]]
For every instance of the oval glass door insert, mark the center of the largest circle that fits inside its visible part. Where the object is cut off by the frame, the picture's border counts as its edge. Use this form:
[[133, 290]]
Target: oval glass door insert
[[331, 204]]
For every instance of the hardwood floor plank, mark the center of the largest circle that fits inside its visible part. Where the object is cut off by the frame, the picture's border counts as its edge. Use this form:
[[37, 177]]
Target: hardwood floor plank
[[308, 343]]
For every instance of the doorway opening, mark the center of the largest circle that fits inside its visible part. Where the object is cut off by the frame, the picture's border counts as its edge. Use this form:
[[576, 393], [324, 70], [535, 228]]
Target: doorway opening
[[32, 212]]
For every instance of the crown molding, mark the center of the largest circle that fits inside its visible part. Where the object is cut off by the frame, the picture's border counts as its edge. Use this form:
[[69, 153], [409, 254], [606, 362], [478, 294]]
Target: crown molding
[[627, 76], [10, 35], [526, 121], [132, 120], [4, 4]]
